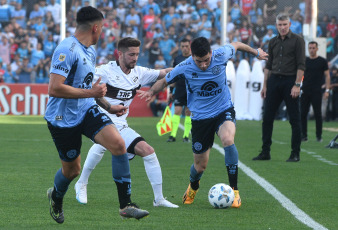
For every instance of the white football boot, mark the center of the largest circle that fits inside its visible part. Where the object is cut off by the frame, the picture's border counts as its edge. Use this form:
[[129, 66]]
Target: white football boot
[[81, 192], [164, 203]]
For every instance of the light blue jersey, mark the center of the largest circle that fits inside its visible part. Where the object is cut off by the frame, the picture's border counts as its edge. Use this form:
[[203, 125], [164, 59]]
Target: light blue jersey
[[76, 63], [207, 91]]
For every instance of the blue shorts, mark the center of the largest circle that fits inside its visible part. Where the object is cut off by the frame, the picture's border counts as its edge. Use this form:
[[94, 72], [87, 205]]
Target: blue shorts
[[68, 141], [203, 131]]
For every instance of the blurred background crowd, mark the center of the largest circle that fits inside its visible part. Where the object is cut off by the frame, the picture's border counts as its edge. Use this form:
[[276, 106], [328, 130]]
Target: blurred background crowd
[[30, 30]]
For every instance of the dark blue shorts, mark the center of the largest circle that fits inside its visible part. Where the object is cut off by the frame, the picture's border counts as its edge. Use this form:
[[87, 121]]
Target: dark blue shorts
[[203, 131], [68, 141]]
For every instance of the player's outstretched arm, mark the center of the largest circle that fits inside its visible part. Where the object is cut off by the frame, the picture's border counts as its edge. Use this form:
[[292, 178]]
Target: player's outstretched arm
[[155, 89], [164, 72], [57, 88], [259, 53]]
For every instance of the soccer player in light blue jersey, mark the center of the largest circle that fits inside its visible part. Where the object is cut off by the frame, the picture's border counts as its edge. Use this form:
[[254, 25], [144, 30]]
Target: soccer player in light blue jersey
[[212, 110], [72, 111]]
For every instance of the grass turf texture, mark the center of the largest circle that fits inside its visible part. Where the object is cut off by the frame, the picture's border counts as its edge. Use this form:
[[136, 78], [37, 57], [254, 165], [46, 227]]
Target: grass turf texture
[[29, 161]]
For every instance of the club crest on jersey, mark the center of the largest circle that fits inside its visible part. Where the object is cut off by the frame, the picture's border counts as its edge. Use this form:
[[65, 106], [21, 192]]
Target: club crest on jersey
[[84, 61], [216, 70], [194, 75], [62, 57], [135, 79]]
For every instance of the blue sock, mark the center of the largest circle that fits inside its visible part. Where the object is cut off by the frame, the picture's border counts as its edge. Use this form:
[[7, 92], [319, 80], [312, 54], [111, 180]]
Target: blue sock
[[121, 176], [194, 177], [231, 162], [61, 184]]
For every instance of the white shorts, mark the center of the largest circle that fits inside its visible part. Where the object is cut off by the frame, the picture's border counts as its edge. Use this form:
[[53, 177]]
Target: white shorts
[[128, 135]]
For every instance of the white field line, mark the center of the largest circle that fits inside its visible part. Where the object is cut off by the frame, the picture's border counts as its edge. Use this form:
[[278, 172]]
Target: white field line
[[269, 188], [314, 154]]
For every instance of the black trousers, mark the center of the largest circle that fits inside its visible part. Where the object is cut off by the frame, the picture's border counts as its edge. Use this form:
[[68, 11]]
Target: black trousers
[[279, 89], [314, 98]]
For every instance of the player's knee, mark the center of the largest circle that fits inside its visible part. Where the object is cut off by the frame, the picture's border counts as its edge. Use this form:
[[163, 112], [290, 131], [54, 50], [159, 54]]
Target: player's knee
[[118, 147], [227, 141]]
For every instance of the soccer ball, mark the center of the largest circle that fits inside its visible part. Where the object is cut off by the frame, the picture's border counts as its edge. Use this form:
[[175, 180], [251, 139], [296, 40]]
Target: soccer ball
[[221, 196]]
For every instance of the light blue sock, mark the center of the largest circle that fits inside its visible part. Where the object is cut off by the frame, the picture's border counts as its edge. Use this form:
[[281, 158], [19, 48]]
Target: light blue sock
[[61, 184], [231, 162]]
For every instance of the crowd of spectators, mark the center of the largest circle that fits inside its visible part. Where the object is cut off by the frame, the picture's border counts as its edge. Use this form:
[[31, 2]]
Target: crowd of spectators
[[30, 30]]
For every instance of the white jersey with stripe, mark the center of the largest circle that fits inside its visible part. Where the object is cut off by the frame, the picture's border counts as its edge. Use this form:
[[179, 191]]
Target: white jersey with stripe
[[121, 87]]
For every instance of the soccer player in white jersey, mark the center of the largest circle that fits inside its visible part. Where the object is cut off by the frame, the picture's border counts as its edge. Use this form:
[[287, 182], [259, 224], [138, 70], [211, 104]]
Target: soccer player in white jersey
[[123, 78], [72, 111], [212, 110]]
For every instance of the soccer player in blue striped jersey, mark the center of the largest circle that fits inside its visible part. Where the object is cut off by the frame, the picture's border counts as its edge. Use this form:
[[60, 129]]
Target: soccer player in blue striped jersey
[[72, 111], [212, 110]]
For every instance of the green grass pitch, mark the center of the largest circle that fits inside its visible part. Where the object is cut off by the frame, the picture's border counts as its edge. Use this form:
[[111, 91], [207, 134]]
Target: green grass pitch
[[29, 161]]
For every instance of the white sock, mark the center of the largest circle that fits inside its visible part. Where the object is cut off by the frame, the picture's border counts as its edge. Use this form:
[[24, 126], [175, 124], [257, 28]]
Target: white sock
[[94, 157], [154, 173]]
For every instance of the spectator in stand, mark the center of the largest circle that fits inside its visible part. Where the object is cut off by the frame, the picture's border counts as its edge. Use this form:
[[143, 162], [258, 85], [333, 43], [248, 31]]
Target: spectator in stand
[[168, 48], [323, 24], [37, 55], [154, 52], [19, 15], [23, 50], [49, 21], [329, 45], [245, 33], [205, 27], [160, 62], [133, 19], [112, 25], [15, 63], [102, 50], [301, 7], [5, 13], [296, 24], [213, 4], [43, 6], [217, 17], [202, 8], [24, 71], [5, 50], [173, 32], [236, 14], [129, 32], [2, 72], [49, 46], [332, 27], [39, 26], [37, 12], [254, 13], [20, 36], [182, 8], [121, 12], [266, 39], [246, 6], [147, 20], [55, 9], [168, 18], [217, 44], [259, 31], [151, 5], [269, 11]]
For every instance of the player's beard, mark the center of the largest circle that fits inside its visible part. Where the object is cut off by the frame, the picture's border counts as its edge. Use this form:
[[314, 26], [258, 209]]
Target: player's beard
[[131, 65]]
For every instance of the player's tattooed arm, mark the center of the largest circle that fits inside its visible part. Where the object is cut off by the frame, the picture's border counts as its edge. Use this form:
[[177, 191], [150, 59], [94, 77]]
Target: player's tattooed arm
[[103, 103], [118, 110]]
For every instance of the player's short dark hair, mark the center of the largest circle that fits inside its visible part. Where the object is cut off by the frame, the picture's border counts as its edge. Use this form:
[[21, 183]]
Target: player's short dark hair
[[313, 42], [127, 42], [184, 40], [200, 47], [87, 15]]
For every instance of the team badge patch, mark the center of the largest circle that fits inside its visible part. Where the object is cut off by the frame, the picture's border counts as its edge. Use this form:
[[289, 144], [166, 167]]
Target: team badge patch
[[62, 57], [197, 146], [216, 70]]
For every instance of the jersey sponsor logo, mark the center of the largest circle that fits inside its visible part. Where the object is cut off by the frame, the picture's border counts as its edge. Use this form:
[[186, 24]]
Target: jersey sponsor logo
[[61, 68], [197, 146], [216, 70], [184, 63], [87, 82], [123, 94], [209, 89], [58, 118], [62, 57]]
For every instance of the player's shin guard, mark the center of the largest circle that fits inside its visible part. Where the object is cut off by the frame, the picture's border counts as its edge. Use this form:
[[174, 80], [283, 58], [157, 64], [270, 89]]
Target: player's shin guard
[[231, 162], [187, 126], [175, 121], [194, 177], [121, 175], [154, 173], [94, 157], [61, 184]]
